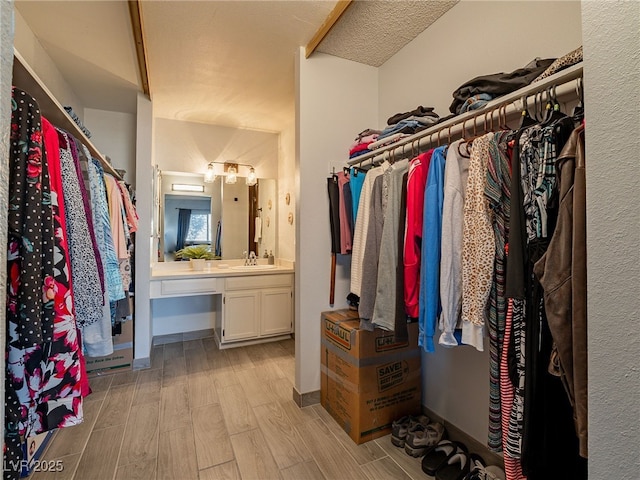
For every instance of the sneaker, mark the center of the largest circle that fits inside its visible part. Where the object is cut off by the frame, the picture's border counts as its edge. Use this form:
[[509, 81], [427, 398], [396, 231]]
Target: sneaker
[[481, 471], [423, 437], [400, 428]]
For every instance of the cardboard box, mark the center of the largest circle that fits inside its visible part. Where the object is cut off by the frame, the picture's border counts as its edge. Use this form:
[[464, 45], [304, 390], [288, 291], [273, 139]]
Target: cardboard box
[[32, 450], [367, 379], [120, 358]]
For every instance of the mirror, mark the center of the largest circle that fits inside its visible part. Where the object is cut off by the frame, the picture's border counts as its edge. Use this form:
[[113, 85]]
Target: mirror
[[231, 218]]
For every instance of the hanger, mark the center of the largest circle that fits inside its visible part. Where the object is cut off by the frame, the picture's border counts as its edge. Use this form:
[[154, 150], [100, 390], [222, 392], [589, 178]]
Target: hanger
[[554, 113], [449, 135], [486, 122], [527, 120], [578, 110]]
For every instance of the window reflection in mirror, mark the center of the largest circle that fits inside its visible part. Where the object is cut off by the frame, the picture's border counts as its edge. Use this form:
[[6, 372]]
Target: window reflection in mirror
[[231, 218]]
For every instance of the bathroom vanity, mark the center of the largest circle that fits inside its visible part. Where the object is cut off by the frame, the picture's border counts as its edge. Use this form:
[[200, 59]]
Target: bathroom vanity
[[249, 304]]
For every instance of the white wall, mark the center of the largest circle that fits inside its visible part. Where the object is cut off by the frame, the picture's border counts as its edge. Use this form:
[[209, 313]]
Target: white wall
[[144, 241], [287, 185], [426, 72], [474, 38], [114, 135], [336, 99], [31, 50], [612, 76], [189, 147]]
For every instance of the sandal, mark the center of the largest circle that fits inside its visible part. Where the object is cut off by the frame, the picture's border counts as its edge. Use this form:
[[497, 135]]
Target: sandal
[[422, 437], [456, 467], [438, 455]]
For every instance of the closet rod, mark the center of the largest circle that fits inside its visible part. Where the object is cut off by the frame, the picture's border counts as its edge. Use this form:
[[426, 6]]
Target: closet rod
[[565, 82], [25, 78]]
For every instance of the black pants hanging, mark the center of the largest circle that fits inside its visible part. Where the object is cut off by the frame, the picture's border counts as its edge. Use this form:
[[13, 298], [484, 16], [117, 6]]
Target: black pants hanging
[[549, 444]]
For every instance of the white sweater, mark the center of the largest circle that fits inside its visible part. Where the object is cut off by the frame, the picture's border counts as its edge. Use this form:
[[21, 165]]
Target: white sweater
[[456, 172]]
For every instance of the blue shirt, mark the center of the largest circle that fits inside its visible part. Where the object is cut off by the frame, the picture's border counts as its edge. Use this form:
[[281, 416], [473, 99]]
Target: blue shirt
[[430, 305]]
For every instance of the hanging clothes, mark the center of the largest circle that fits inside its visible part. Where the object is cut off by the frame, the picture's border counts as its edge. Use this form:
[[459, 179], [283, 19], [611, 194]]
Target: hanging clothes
[[456, 173], [43, 389], [119, 230], [562, 274], [498, 195], [478, 247], [372, 253], [430, 305], [362, 219], [102, 228], [549, 442], [84, 267], [344, 215], [417, 179], [385, 303], [30, 228], [356, 177]]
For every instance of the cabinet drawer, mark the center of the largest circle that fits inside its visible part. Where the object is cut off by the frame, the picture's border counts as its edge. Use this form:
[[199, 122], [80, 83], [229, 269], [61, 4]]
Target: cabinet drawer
[[259, 281], [189, 286]]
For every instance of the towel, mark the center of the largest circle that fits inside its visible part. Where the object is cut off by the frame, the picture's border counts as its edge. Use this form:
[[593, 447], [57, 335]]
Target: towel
[[258, 230]]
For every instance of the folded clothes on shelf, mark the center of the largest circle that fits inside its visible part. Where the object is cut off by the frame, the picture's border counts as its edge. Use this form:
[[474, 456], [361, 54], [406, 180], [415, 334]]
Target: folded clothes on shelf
[[381, 142], [77, 121]]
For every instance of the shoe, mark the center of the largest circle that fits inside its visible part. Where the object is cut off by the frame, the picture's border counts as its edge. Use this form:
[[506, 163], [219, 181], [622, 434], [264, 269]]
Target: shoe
[[422, 438], [439, 455], [456, 466], [480, 470], [400, 428]]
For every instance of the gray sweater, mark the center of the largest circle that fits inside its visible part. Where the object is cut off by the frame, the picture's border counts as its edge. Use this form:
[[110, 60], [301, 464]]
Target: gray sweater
[[385, 302]]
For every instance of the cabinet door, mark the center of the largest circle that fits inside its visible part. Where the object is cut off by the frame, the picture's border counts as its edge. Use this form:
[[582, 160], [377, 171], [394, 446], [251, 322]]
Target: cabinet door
[[276, 315], [241, 310]]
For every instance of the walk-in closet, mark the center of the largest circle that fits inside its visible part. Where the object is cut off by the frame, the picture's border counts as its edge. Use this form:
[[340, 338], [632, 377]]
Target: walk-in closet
[[320, 239]]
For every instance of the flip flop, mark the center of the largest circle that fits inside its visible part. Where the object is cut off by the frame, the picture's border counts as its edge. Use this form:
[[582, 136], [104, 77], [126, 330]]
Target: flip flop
[[438, 455], [456, 467]]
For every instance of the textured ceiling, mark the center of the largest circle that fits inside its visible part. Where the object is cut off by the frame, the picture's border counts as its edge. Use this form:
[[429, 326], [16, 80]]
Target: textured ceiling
[[229, 63], [371, 32]]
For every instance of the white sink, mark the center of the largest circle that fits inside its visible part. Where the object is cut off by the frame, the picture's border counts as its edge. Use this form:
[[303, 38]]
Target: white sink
[[252, 268]]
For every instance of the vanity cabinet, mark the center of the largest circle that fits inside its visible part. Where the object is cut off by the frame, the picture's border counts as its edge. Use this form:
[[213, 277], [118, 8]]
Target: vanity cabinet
[[256, 307]]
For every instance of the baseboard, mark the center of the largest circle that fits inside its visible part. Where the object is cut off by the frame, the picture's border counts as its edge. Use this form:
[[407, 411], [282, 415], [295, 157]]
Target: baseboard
[[474, 446], [306, 399], [141, 363]]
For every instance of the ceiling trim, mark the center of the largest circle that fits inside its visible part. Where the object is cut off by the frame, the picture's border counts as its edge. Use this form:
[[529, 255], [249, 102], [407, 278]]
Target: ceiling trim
[[138, 36], [326, 26]]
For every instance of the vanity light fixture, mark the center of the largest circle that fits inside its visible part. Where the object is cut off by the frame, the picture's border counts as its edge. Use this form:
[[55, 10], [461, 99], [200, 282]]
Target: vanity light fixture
[[210, 175], [231, 171], [251, 177], [184, 187], [232, 175]]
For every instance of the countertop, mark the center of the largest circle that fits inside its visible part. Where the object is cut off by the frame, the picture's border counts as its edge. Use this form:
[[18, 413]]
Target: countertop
[[175, 270]]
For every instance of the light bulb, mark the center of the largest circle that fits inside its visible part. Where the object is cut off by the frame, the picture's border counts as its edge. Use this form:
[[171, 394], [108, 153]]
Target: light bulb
[[232, 175], [251, 177], [210, 175]]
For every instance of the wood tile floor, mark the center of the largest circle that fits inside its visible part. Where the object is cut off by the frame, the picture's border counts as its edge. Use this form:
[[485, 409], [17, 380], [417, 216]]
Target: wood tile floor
[[208, 414]]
